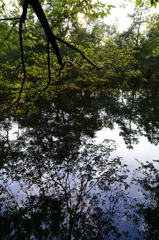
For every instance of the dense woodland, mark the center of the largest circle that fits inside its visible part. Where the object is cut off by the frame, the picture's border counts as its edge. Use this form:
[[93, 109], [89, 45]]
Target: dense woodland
[[89, 55], [65, 74]]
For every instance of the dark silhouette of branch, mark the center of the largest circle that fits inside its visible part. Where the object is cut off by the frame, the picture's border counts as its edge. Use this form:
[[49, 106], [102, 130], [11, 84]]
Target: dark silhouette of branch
[[24, 13], [35, 4], [48, 31], [9, 19], [24, 71], [51, 37], [9, 31], [44, 22], [48, 63], [23, 64], [79, 51]]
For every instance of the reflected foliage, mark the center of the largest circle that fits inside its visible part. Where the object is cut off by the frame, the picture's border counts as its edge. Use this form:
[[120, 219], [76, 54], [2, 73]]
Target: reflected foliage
[[57, 182], [79, 113], [39, 217], [66, 197], [147, 209]]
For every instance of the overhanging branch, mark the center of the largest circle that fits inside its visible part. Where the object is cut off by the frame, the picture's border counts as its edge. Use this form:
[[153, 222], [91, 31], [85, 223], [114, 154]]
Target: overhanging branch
[[51, 37], [9, 19]]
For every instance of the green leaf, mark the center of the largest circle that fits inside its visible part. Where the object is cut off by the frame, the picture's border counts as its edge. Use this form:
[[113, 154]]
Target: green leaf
[[138, 2]]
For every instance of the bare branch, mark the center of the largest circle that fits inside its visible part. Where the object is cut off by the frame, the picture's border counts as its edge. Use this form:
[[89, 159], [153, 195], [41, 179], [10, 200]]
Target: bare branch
[[83, 55], [78, 50], [25, 8], [9, 19]]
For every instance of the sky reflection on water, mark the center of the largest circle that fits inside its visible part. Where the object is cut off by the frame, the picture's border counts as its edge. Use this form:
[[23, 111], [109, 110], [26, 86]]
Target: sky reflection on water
[[71, 164]]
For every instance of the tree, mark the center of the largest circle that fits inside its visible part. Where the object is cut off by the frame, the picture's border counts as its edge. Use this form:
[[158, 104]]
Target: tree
[[37, 8], [58, 13], [68, 187], [152, 2], [147, 210]]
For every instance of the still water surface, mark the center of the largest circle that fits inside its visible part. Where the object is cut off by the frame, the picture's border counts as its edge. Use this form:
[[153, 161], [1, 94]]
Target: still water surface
[[85, 167]]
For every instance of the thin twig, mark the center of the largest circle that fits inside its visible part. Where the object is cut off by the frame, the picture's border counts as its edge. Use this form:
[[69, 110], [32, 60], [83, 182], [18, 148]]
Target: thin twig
[[48, 61], [9, 19], [9, 32], [83, 55], [23, 64]]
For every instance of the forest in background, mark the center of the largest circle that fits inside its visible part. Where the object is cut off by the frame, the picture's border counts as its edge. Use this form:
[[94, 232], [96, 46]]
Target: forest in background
[[50, 166], [95, 55]]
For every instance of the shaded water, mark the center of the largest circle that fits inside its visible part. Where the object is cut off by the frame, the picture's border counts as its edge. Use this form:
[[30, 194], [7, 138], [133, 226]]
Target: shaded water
[[79, 170]]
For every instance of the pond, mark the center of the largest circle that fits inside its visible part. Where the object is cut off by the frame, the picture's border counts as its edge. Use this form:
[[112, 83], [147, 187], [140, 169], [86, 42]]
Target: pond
[[86, 166]]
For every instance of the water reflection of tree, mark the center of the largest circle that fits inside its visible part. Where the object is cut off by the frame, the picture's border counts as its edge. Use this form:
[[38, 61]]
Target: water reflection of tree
[[135, 113], [38, 217], [69, 187], [146, 210], [129, 112], [80, 195], [149, 120]]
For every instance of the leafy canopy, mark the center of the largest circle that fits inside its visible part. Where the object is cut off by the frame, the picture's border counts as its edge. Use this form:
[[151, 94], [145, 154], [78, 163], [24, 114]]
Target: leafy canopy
[[152, 2]]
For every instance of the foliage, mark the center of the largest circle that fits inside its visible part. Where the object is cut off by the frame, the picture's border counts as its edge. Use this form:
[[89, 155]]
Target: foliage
[[147, 213], [152, 2], [55, 182], [128, 59], [69, 187]]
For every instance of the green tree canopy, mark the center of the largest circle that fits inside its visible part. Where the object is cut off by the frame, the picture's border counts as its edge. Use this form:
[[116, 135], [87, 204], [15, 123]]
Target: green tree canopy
[[152, 2], [60, 11]]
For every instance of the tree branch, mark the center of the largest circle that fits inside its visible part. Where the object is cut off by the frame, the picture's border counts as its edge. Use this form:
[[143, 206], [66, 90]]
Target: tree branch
[[9, 31], [83, 55], [24, 13], [9, 19], [44, 22], [23, 64], [51, 37]]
